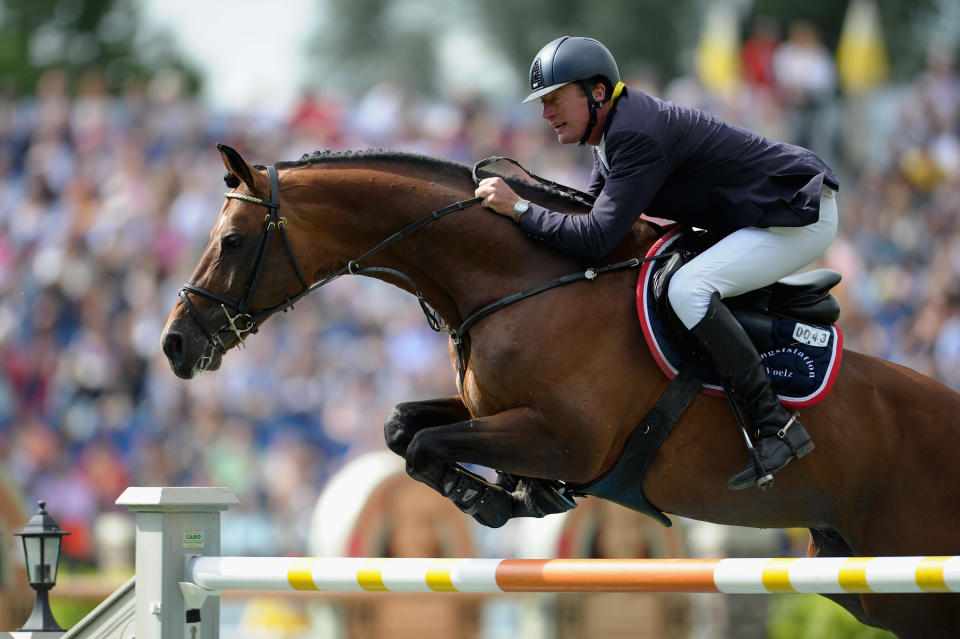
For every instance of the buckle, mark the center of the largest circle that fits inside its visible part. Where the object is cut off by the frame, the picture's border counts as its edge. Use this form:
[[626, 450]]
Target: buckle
[[783, 431]]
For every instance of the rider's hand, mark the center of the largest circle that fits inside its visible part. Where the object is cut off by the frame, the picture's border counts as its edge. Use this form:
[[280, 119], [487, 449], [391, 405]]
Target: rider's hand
[[497, 196]]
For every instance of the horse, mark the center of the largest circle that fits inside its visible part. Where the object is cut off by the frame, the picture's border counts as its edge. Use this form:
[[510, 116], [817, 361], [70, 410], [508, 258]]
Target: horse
[[551, 386]]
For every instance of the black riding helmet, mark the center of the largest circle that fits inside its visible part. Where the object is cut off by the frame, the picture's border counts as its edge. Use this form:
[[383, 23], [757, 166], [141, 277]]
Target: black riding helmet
[[572, 59]]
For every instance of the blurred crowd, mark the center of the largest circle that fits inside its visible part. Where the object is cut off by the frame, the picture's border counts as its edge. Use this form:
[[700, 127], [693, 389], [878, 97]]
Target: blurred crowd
[[107, 197]]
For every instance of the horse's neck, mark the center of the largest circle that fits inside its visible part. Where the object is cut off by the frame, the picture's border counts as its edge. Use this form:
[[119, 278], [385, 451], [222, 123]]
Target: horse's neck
[[460, 262]]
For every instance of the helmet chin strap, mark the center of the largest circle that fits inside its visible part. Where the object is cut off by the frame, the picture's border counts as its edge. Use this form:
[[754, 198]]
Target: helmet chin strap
[[594, 107]]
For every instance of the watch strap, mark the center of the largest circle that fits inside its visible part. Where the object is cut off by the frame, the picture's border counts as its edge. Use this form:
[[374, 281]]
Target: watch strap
[[518, 210]]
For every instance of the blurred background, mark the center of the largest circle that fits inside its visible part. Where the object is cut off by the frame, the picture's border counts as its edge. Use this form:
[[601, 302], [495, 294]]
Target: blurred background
[[110, 182]]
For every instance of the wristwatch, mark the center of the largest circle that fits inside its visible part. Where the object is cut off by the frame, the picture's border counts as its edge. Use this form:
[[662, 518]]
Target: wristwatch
[[519, 209]]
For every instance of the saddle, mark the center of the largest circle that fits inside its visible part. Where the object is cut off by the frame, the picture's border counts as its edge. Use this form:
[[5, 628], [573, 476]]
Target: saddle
[[791, 322]]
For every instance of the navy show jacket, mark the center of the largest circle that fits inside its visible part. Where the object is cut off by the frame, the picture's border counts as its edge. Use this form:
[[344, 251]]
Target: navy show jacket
[[689, 166]]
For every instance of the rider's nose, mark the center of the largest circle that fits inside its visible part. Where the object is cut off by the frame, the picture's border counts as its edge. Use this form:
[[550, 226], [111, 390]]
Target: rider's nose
[[173, 347]]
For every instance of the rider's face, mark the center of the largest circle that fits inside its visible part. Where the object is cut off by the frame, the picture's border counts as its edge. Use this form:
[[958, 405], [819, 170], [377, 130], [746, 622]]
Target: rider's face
[[567, 112]]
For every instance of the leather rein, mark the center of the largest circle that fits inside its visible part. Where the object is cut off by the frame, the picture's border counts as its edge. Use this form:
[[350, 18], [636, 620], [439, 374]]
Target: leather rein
[[244, 321]]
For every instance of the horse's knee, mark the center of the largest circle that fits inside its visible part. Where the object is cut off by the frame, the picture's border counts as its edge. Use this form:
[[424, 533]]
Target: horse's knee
[[409, 418], [395, 431]]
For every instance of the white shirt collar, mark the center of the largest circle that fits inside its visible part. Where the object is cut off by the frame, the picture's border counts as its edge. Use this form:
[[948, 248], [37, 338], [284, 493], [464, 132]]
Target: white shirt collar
[[602, 151]]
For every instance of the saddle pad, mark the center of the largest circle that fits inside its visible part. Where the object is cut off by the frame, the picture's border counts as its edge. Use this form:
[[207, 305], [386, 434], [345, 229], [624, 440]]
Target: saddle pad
[[802, 364]]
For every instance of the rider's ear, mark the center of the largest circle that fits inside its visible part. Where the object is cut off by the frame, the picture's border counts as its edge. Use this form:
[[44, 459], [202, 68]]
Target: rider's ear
[[238, 166], [599, 92]]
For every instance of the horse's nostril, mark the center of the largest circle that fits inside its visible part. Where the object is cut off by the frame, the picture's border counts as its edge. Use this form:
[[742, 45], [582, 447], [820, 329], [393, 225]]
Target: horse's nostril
[[173, 347]]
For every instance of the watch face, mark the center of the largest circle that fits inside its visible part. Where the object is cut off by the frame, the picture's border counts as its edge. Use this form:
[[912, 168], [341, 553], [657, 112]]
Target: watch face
[[521, 206]]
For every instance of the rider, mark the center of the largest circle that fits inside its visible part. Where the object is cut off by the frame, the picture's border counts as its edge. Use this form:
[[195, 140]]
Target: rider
[[772, 202]]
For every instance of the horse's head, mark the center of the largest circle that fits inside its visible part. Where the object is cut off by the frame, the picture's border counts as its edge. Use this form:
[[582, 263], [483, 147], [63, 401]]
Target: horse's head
[[248, 271]]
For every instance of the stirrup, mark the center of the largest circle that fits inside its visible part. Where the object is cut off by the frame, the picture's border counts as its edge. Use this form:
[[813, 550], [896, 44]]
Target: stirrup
[[764, 477], [766, 481]]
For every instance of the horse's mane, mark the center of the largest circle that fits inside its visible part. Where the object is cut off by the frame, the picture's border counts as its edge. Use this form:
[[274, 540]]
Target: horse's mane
[[536, 192]]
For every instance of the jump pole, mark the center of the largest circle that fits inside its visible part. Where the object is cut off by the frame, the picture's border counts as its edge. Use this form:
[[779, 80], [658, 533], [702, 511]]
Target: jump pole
[[731, 576], [179, 570]]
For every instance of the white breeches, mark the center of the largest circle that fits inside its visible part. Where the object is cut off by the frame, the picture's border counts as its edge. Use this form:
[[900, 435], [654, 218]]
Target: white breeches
[[748, 259]]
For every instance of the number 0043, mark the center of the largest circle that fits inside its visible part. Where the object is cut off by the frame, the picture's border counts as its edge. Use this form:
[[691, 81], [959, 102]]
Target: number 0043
[[811, 335]]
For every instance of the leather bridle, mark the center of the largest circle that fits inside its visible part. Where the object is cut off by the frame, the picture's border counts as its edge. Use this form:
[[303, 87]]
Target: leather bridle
[[243, 321]]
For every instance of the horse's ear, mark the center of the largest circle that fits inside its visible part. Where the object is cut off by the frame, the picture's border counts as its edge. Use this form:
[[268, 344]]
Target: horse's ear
[[237, 165]]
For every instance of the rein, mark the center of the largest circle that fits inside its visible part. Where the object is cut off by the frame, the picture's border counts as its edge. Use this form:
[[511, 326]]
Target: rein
[[273, 221]]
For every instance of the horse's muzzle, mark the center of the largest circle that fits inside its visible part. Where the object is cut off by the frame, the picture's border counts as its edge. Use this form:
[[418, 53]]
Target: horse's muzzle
[[188, 355]]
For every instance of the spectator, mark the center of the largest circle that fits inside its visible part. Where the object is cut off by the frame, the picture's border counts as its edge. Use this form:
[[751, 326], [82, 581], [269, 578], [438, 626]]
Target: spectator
[[757, 53], [805, 79]]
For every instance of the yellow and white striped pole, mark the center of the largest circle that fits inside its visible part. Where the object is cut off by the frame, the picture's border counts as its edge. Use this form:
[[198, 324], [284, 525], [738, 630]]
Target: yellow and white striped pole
[[180, 572], [757, 576]]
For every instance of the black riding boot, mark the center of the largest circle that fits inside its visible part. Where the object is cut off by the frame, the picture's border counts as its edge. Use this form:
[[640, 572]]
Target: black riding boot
[[781, 436]]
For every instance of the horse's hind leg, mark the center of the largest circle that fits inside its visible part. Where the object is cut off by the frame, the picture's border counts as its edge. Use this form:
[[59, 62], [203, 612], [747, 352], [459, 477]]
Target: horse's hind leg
[[829, 543], [916, 616], [909, 616]]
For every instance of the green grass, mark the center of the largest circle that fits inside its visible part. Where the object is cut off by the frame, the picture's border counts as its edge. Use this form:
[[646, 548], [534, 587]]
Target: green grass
[[815, 617], [69, 612]]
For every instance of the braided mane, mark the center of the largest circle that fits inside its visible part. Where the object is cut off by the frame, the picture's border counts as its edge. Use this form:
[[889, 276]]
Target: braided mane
[[373, 155], [423, 162]]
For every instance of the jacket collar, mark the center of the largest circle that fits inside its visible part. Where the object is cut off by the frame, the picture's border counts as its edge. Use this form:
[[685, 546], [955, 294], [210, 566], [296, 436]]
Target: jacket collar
[[602, 147]]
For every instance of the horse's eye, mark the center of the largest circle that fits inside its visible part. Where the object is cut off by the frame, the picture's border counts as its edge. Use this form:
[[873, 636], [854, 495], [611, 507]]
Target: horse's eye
[[233, 240]]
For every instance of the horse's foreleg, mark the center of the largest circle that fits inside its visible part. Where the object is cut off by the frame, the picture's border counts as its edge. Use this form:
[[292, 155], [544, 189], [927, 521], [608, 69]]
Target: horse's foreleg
[[409, 418], [537, 497], [500, 441]]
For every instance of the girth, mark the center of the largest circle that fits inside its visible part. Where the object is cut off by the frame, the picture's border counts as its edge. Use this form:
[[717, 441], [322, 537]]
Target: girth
[[623, 483]]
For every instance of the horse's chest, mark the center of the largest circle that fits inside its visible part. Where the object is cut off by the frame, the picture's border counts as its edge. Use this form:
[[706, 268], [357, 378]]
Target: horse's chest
[[496, 379]]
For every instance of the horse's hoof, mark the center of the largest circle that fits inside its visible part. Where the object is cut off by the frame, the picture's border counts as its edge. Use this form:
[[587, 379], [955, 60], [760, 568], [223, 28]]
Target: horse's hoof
[[489, 505], [493, 513], [460, 488]]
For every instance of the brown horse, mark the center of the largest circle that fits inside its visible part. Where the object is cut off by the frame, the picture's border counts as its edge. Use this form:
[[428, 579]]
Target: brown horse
[[552, 386]]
